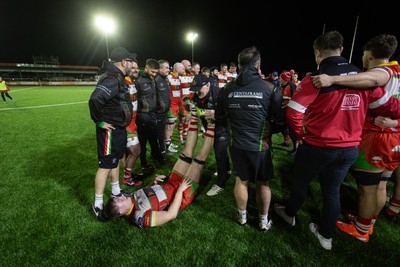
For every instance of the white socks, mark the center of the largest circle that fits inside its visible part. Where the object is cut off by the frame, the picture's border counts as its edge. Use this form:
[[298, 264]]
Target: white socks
[[115, 189], [243, 214], [98, 201], [264, 218]]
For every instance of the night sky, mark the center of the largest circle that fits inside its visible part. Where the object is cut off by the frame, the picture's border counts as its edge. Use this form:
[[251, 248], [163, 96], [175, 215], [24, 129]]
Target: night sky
[[284, 32]]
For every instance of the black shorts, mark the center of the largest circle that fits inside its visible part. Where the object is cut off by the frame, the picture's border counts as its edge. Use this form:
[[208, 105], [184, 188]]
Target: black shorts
[[252, 165], [111, 145]]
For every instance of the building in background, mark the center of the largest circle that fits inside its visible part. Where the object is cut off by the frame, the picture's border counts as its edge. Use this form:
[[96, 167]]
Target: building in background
[[48, 71]]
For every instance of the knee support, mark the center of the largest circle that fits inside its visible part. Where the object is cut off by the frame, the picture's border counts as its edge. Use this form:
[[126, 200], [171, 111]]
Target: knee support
[[366, 178]]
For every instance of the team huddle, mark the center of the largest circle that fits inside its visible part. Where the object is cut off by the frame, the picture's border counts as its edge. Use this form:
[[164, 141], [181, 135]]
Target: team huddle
[[339, 119]]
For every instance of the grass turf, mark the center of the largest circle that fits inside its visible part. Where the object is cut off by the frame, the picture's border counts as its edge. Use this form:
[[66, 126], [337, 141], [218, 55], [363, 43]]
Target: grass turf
[[48, 163]]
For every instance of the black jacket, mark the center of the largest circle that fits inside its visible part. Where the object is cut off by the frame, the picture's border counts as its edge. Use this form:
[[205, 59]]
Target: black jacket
[[109, 102], [209, 101], [163, 94], [248, 104], [147, 96]]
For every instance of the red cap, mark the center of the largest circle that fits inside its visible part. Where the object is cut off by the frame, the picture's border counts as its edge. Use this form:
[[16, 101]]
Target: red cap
[[287, 75]]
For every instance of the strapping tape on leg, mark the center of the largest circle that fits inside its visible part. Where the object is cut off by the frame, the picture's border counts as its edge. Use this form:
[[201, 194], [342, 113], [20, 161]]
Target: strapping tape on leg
[[185, 159], [201, 162], [366, 178]]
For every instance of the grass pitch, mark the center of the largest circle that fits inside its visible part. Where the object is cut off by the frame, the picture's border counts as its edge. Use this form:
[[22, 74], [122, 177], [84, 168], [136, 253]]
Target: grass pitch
[[48, 163]]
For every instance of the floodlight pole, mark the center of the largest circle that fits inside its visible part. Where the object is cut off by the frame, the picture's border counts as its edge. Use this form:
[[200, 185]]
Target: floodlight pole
[[192, 50], [191, 37], [108, 53], [354, 38]]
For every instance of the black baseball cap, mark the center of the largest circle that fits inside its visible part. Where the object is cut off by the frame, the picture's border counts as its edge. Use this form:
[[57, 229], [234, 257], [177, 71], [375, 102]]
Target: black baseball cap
[[199, 81], [120, 53]]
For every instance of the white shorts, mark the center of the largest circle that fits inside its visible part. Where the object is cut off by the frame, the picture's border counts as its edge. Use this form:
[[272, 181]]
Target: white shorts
[[131, 141]]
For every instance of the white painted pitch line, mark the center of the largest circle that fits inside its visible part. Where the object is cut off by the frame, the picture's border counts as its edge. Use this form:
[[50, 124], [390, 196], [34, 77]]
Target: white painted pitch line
[[44, 106], [22, 89], [38, 87]]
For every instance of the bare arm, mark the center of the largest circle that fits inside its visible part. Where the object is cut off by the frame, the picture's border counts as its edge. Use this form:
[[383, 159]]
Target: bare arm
[[368, 79], [385, 122], [163, 217]]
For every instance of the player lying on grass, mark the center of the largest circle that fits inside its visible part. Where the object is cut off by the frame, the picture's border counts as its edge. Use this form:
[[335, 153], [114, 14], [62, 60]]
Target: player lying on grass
[[157, 204]]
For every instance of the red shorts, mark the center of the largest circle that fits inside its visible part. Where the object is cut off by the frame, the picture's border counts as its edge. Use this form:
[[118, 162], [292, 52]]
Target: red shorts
[[174, 109], [379, 150], [177, 109], [132, 128], [172, 185]]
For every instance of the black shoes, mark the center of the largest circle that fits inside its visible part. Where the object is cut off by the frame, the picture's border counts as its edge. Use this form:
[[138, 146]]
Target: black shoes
[[99, 213]]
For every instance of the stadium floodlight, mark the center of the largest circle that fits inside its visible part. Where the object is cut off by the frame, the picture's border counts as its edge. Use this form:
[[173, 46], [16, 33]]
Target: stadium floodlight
[[192, 36], [106, 25]]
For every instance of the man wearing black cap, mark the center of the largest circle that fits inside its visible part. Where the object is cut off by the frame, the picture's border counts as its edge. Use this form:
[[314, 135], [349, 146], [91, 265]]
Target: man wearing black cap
[[205, 98], [206, 94], [111, 110], [273, 78]]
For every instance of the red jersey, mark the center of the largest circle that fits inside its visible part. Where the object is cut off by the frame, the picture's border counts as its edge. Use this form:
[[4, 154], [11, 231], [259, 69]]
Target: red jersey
[[222, 79], [287, 91], [393, 88], [231, 76], [186, 83], [131, 128], [174, 89], [158, 198]]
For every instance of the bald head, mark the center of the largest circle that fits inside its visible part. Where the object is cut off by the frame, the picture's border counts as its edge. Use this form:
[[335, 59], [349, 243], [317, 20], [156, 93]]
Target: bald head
[[178, 68], [186, 64]]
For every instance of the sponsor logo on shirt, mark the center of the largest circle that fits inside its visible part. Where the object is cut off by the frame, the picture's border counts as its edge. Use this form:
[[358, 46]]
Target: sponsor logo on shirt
[[258, 95], [376, 159], [351, 102], [396, 149], [255, 106]]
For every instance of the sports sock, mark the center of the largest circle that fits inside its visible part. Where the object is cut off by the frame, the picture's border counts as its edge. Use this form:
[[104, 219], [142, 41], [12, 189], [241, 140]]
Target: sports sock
[[374, 218], [193, 123], [243, 214], [210, 131], [115, 189], [394, 207], [98, 201], [363, 225], [264, 218], [180, 130], [127, 173], [185, 130]]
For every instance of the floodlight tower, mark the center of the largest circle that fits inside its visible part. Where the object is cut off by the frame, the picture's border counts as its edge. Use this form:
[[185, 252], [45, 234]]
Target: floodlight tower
[[192, 36], [106, 25]]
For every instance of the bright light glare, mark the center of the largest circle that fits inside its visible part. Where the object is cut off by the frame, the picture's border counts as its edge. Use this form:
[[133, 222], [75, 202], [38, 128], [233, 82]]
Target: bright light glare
[[105, 24], [191, 36]]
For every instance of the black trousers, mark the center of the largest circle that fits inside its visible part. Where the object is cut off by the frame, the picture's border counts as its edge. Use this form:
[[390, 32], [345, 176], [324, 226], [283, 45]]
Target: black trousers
[[147, 131], [161, 123], [221, 154], [6, 94]]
